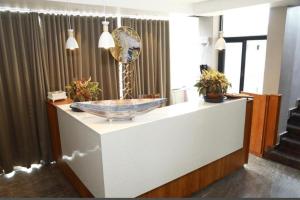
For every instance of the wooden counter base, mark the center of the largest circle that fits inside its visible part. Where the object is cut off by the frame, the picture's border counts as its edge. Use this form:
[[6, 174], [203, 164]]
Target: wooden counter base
[[193, 182], [184, 186], [199, 179], [188, 184], [74, 180]]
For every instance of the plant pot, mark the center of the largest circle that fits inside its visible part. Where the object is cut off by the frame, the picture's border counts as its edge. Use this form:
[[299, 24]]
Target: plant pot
[[214, 97]]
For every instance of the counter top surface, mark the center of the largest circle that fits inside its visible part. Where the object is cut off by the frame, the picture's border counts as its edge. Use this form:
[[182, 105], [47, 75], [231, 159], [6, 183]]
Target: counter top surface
[[102, 126]]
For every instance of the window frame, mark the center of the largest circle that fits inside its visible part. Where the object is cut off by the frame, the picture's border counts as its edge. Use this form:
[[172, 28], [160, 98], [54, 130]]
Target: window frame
[[243, 40]]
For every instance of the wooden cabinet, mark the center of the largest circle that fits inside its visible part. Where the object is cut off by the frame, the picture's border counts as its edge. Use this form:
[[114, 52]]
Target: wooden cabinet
[[264, 131]]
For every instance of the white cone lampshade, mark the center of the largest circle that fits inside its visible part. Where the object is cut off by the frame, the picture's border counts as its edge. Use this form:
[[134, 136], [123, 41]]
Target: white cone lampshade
[[221, 43], [106, 40], [71, 42]]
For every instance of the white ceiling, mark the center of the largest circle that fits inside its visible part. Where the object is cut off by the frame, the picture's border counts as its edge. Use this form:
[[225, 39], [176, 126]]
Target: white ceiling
[[144, 7], [213, 6]]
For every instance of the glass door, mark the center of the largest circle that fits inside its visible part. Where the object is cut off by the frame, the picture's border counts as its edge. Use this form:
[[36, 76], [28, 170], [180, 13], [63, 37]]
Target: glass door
[[243, 62], [233, 60], [254, 66]]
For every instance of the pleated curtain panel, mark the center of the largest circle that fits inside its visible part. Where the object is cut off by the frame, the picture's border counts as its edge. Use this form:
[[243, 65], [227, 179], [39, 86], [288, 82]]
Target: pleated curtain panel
[[88, 60], [151, 71], [33, 61]]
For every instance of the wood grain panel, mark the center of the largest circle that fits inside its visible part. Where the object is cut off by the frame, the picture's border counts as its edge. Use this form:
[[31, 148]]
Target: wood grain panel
[[266, 110], [74, 180], [186, 185], [260, 102], [248, 129], [54, 128], [271, 131], [54, 132]]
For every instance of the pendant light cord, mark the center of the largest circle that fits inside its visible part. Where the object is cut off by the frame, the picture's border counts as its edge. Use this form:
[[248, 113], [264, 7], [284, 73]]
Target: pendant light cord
[[69, 17], [221, 23], [105, 10]]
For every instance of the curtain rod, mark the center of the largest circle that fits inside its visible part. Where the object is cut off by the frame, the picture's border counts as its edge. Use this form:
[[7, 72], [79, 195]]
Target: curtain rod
[[80, 13], [56, 12], [146, 17]]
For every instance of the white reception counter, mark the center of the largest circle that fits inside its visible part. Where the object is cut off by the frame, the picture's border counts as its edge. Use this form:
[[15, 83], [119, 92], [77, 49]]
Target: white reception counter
[[130, 158]]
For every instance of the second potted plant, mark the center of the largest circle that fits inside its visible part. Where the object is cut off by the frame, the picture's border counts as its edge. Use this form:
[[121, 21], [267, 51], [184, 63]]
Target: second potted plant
[[212, 85]]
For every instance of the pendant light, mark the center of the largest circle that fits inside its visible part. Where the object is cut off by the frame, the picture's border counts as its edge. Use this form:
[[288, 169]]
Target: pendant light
[[221, 43], [71, 41], [106, 40]]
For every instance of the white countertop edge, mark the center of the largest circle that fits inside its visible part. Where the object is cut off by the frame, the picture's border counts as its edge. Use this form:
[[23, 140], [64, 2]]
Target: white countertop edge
[[94, 122]]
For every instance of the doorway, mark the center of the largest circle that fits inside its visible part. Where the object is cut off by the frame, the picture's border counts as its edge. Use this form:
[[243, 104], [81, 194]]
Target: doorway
[[243, 63]]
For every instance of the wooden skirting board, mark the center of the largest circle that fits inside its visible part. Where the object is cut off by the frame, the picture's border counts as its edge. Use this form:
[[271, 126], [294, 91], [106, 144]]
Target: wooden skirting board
[[184, 186]]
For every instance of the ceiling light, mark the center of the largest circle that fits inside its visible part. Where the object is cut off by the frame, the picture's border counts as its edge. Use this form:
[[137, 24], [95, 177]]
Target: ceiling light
[[221, 43], [71, 41], [106, 40]]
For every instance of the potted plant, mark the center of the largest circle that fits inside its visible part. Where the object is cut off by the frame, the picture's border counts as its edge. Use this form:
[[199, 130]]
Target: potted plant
[[83, 90], [212, 85]]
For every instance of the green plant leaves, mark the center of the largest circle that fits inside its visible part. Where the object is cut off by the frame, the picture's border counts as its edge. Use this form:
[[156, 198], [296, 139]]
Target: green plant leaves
[[212, 81]]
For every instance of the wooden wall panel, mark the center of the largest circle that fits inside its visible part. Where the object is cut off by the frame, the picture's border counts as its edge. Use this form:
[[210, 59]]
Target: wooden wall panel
[[248, 129], [271, 131], [54, 128], [258, 124], [266, 109]]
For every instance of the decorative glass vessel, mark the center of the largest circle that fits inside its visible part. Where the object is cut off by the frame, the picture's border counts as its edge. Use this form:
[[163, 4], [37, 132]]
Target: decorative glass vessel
[[124, 109]]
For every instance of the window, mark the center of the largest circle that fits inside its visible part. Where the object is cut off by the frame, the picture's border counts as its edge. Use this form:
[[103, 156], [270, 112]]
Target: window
[[245, 32]]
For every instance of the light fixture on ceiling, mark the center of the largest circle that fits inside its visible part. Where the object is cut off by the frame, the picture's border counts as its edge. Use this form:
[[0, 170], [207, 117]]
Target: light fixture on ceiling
[[71, 41], [221, 43], [106, 40]]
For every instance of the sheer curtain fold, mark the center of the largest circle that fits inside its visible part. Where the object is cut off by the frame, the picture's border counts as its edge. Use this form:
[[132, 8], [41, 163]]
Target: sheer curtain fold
[[33, 61], [152, 69]]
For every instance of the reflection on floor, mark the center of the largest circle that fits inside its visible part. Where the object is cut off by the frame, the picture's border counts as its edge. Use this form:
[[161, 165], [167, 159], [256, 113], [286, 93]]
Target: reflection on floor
[[260, 178], [44, 182]]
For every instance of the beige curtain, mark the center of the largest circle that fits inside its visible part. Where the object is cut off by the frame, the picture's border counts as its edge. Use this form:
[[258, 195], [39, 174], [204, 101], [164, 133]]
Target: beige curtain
[[33, 61], [88, 60], [152, 69], [24, 137]]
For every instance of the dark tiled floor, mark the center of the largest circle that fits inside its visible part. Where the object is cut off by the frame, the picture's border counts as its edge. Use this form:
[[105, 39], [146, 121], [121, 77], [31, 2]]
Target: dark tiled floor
[[44, 182], [260, 178]]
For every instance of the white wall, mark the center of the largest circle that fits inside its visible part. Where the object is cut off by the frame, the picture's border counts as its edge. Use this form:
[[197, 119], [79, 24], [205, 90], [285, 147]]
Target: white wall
[[218, 6], [276, 31], [209, 28], [289, 85], [185, 53]]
